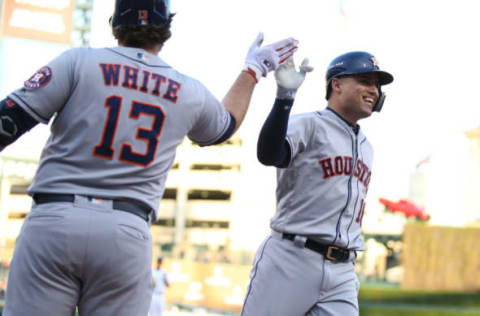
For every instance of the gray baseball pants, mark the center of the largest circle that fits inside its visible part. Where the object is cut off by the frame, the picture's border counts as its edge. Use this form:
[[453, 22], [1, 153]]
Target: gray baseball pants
[[290, 280], [83, 254]]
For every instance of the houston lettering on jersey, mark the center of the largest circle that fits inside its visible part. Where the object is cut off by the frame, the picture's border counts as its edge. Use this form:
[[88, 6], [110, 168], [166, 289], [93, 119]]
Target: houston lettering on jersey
[[343, 166], [129, 78]]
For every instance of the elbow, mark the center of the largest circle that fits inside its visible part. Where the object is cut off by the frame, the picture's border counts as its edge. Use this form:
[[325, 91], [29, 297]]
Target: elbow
[[266, 159]]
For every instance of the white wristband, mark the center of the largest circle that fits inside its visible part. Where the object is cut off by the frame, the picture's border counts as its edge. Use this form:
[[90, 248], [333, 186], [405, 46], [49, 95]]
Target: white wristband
[[254, 71]]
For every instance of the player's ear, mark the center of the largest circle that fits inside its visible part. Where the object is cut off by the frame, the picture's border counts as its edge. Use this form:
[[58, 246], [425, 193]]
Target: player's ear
[[336, 84]]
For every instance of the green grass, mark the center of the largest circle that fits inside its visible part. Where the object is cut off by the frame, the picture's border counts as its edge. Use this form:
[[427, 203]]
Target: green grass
[[392, 295], [377, 300], [369, 309]]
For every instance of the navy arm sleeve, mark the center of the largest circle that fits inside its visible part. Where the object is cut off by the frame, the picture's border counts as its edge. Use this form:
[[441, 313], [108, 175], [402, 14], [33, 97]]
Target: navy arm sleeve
[[14, 122], [272, 147]]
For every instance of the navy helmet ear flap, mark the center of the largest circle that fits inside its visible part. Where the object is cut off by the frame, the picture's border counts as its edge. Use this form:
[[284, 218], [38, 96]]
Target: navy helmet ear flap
[[381, 99]]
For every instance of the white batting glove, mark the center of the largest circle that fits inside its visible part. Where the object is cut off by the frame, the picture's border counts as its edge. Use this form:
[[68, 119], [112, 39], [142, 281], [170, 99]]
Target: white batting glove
[[289, 79], [261, 60]]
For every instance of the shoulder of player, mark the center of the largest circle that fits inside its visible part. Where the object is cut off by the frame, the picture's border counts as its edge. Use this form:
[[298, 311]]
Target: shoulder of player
[[308, 118], [363, 141], [80, 51], [188, 80], [304, 116], [76, 55], [72, 53], [320, 115]]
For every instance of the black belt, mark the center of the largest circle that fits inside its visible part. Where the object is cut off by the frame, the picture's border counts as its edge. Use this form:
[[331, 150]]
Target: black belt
[[331, 253], [129, 206]]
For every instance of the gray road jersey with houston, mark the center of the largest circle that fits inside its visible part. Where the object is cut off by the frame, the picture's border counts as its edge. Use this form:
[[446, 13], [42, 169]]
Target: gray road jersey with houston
[[322, 192], [121, 112]]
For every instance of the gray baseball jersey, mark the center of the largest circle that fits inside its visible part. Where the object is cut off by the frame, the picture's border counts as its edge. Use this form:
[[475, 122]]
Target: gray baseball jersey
[[321, 194], [161, 280], [158, 304], [132, 106]]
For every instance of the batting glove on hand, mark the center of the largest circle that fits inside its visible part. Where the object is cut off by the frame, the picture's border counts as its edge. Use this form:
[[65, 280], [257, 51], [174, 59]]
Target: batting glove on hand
[[261, 60], [289, 79]]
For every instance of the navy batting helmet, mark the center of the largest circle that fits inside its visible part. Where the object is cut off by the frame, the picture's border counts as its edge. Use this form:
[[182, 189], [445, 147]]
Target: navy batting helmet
[[357, 63], [140, 12]]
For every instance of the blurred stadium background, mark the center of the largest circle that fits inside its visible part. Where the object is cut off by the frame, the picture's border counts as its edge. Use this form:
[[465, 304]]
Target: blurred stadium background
[[212, 220]]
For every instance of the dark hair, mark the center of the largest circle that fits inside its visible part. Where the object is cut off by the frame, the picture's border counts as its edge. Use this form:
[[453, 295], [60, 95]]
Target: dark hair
[[143, 36]]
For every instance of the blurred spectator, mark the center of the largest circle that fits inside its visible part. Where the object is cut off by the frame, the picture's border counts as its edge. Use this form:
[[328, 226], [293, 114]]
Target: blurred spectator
[[160, 283]]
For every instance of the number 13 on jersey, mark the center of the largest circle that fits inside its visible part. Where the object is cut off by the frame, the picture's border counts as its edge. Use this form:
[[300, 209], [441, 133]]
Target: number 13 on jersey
[[150, 136]]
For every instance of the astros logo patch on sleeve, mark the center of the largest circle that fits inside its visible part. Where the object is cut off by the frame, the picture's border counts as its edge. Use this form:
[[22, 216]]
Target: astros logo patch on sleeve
[[39, 79]]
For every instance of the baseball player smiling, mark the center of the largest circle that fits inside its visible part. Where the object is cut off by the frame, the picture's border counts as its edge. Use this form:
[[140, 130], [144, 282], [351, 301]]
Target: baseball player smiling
[[324, 161]]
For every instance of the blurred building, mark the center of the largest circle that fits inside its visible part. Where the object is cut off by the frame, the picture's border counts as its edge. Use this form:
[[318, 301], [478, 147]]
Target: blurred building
[[82, 21], [446, 183], [15, 176], [472, 204], [418, 185], [201, 200]]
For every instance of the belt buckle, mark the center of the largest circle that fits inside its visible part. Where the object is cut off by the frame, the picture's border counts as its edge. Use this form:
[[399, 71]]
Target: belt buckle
[[329, 256]]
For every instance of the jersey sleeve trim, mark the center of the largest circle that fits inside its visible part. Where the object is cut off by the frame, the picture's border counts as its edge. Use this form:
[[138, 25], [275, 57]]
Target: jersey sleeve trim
[[27, 108], [289, 145], [213, 140], [229, 132], [14, 122]]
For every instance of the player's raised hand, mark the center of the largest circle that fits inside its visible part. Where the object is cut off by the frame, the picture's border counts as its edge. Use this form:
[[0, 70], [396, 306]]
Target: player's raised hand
[[262, 60], [289, 79]]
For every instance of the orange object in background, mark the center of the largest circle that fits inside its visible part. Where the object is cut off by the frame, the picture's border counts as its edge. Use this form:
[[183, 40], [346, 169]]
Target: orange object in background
[[42, 20], [405, 207]]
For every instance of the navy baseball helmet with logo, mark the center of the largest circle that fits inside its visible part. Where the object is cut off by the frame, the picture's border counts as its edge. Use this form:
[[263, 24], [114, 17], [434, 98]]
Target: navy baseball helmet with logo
[[357, 63], [140, 12]]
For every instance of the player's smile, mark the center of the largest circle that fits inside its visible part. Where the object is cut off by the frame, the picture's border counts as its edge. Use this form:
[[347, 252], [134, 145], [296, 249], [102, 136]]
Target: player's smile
[[369, 84], [370, 100], [365, 96]]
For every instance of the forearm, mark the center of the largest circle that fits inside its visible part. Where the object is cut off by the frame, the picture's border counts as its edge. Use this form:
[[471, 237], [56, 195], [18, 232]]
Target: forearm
[[272, 147], [237, 99]]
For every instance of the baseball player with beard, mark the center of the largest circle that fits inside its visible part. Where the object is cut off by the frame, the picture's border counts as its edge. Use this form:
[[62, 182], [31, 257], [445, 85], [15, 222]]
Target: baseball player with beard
[[324, 161], [120, 114]]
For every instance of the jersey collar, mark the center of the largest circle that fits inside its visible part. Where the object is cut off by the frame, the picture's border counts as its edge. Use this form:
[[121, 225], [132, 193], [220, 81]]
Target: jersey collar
[[355, 128], [140, 55]]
